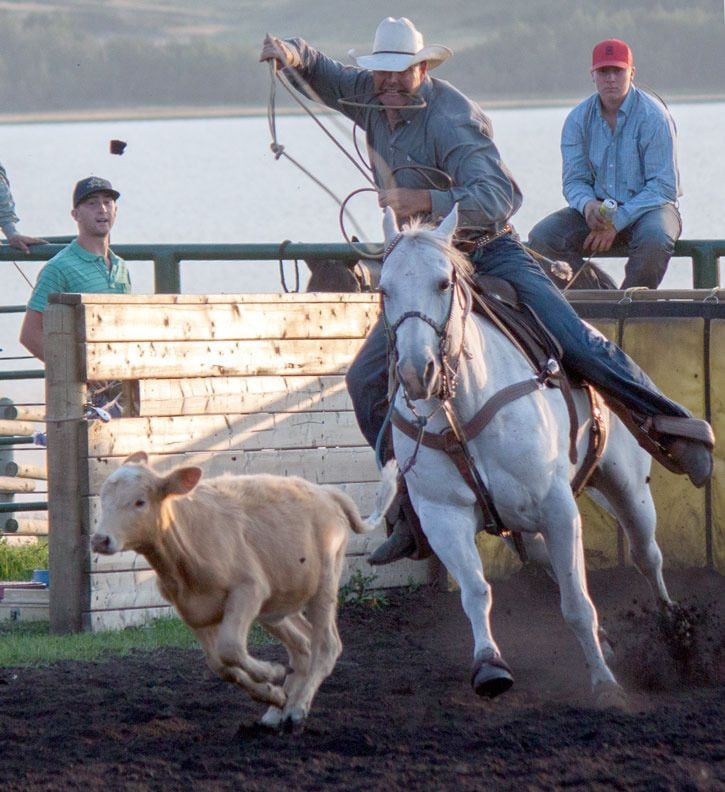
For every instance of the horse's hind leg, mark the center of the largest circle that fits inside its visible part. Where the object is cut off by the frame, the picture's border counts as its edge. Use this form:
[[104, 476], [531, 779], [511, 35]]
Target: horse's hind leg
[[566, 553], [626, 489]]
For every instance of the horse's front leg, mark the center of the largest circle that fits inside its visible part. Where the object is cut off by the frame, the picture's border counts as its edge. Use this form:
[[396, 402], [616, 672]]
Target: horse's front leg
[[450, 531]]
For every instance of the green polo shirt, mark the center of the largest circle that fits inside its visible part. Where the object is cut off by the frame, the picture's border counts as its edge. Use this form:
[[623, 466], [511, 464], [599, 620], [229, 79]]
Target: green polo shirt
[[74, 269]]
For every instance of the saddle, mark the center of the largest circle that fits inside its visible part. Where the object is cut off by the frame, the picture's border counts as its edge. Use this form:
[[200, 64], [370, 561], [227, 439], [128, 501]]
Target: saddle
[[496, 299]]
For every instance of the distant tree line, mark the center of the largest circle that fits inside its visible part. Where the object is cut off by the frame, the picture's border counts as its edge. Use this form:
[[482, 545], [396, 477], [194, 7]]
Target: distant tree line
[[49, 62]]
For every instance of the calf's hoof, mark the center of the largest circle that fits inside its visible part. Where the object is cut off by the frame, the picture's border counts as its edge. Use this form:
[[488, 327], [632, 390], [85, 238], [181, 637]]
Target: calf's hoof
[[293, 726], [276, 720], [490, 675]]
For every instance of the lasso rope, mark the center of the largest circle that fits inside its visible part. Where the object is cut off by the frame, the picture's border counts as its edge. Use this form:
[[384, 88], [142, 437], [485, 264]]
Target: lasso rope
[[279, 150]]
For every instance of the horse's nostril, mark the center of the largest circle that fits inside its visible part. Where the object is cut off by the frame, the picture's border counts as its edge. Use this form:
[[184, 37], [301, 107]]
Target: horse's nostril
[[429, 372]]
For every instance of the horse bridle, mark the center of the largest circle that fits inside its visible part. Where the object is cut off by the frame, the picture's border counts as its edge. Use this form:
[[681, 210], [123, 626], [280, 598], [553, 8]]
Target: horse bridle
[[449, 363]]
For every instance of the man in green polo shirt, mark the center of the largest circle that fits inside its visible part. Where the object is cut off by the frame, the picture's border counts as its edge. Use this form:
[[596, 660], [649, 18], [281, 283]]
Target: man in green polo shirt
[[86, 265]]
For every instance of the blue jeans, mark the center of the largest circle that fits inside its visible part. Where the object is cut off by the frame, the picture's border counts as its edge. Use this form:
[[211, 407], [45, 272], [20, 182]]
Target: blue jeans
[[586, 354], [650, 239]]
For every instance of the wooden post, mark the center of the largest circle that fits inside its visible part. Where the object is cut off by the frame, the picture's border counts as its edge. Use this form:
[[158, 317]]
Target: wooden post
[[65, 395]]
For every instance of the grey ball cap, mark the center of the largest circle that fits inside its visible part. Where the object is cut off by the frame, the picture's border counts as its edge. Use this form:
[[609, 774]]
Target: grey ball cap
[[93, 184]]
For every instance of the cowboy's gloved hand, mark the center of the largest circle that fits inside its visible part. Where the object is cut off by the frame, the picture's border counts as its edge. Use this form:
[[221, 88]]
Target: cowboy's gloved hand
[[274, 49]]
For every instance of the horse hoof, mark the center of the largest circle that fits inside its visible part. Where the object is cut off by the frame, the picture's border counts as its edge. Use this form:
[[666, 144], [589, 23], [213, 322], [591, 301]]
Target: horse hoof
[[491, 675], [609, 695]]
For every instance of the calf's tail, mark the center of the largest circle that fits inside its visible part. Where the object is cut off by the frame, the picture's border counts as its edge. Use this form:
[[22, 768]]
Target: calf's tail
[[387, 491]]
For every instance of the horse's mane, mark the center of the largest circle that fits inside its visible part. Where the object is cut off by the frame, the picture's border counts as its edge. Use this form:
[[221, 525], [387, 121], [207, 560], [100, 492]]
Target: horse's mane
[[417, 229]]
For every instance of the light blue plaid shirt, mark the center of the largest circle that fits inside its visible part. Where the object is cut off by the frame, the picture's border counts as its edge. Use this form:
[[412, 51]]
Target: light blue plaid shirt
[[636, 164], [8, 218]]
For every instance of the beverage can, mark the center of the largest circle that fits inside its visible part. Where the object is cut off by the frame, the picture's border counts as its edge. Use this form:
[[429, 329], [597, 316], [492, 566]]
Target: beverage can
[[607, 209]]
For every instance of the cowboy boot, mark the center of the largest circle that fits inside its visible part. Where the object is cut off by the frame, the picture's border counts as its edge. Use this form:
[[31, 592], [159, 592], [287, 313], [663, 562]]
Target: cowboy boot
[[688, 443], [406, 538], [682, 444], [400, 544], [692, 457]]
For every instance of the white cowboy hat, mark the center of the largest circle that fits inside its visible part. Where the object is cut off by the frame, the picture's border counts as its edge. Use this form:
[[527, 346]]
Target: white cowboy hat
[[397, 46]]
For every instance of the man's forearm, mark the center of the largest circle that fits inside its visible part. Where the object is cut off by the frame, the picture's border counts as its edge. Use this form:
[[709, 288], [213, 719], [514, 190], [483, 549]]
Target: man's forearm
[[31, 334]]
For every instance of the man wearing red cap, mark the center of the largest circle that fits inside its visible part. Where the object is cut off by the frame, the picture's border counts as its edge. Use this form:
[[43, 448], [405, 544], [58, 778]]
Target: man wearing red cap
[[618, 144]]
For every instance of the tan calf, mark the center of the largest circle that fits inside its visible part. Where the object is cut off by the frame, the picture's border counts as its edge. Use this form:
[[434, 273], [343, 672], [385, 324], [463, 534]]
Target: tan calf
[[235, 549]]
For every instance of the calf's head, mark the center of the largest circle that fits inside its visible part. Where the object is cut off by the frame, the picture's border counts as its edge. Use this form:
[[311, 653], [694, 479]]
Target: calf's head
[[132, 498]]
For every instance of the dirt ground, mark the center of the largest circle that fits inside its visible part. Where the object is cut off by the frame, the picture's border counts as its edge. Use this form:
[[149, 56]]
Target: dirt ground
[[398, 712]]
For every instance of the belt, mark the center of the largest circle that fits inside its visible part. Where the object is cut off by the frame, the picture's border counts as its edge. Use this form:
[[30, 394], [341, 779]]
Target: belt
[[476, 243]]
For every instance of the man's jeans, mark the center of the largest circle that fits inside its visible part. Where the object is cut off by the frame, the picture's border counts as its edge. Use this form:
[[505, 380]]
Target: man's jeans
[[650, 239], [588, 355]]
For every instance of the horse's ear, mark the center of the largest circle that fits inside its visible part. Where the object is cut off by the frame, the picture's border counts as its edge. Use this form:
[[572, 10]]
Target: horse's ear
[[390, 225], [448, 225]]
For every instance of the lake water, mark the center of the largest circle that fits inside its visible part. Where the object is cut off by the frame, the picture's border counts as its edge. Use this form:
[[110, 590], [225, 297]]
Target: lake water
[[216, 180]]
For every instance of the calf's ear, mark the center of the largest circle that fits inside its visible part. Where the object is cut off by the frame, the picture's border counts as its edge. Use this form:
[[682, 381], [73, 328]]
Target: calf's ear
[[180, 481], [138, 456]]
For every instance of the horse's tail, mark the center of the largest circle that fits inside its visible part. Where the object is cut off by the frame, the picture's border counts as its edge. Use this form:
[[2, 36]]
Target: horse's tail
[[387, 491]]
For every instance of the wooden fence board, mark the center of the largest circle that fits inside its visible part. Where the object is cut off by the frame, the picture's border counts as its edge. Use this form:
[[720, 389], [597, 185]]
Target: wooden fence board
[[25, 526], [21, 412], [108, 323], [65, 393], [15, 484], [13, 427], [26, 471], [116, 360], [125, 589], [292, 300], [206, 396], [128, 561], [225, 432], [321, 465]]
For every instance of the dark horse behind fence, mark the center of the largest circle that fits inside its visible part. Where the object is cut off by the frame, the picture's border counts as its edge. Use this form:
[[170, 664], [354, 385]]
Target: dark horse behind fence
[[337, 275]]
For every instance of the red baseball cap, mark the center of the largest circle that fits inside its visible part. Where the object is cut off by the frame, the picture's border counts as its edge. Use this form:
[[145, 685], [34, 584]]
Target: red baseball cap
[[612, 52]]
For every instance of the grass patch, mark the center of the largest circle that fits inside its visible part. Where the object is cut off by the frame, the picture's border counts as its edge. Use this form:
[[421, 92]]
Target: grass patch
[[30, 644], [17, 562], [359, 592]]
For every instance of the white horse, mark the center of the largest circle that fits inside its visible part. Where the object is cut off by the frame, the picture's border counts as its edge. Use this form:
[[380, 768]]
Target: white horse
[[452, 361]]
